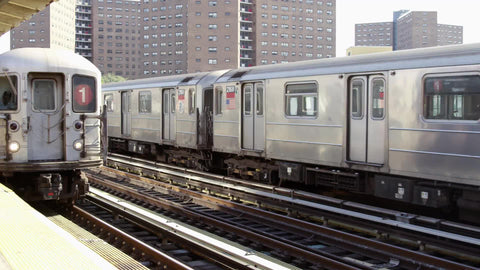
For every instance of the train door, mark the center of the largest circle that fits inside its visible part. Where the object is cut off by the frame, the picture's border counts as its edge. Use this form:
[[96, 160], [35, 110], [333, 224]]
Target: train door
[[126, 113], [169, 114], [253, 120], [45, 118], [367, 119]]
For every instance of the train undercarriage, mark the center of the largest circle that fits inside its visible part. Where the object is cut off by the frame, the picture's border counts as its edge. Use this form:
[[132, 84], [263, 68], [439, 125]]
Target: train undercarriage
[[61, 185], [462, 199]]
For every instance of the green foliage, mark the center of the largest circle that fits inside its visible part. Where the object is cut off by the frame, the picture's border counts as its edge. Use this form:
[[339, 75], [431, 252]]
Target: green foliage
[[109, 78]]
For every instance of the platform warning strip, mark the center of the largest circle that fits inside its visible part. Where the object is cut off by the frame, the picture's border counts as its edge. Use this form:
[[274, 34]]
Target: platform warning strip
[[29, 240]]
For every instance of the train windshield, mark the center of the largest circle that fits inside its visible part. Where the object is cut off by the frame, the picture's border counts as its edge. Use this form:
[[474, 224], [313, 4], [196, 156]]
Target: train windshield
[[8, 97]]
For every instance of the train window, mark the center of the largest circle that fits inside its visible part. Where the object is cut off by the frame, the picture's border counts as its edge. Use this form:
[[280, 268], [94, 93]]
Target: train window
[[172, 102], [144, 102], [357, 89], [301, 100], [8, 98], [452, 97], [247, 99], [84, 94], [191, 101], [259, 99], [378, 98], [218, 99], [44, 95], [165, 102], [108, 99]]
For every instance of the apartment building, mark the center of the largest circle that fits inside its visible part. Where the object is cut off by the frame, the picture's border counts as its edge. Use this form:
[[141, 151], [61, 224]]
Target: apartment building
[[143, 38], [409, 29], [175, 37], [53, 27]]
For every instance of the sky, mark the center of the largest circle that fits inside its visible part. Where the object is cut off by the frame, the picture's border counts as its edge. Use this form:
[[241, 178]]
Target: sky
[[349, 12]]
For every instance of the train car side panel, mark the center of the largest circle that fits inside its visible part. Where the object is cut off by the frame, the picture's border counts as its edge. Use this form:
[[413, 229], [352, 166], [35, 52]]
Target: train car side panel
[[112, 100], [304, 121], [424, 141], [146, 119], [187, 117], [226, 118]]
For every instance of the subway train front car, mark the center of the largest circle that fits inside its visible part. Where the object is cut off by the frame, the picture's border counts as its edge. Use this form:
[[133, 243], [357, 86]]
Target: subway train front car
[[50, 123]]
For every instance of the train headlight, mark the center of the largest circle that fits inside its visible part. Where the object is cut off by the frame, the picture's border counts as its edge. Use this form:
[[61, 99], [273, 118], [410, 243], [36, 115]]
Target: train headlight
[[78, 125], [13, 147], [13, 126], [78, 145]]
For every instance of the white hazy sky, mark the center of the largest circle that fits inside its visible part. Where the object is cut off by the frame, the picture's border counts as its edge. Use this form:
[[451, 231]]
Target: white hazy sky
[[349, 12]]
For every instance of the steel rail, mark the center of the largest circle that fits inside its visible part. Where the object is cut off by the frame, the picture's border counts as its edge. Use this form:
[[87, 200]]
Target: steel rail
[[376, 249]]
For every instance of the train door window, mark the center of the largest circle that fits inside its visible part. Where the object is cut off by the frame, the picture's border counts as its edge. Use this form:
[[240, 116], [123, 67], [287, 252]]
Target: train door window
[[144, 102], [165, 102], [301, 99], [218, 99], [259, 99], [172, 103], [84, 94], [8, 96], [452, 97], [378, 98], [357, 89], [208, 100], [247, 102], [44, 91], [108, 99], [191, 101]]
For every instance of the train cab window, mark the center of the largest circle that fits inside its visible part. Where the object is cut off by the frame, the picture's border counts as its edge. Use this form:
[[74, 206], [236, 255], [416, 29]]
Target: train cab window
[[218, 99], [191, 101], [84, 94], [44, 93], [357, 89], [8, 97], [108, 99], [378, 98], [301, 100], [452, 97], [144, 102]]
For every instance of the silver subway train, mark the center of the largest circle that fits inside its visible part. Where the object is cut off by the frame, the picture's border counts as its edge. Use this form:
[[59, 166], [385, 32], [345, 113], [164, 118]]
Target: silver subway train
[[402, 125], [49, 122]]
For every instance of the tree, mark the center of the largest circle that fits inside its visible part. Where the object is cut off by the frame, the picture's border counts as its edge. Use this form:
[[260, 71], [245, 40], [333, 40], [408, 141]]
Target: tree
[[109, 78]]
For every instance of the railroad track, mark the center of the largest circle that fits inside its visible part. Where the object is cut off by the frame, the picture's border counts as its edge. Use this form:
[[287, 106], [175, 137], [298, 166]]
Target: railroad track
[[294, 241], [158, 241]]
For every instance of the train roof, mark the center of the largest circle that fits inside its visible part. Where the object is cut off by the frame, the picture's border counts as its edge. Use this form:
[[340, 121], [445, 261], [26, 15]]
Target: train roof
[[206, 78], [396, 60], [46, 60], [406, 59]]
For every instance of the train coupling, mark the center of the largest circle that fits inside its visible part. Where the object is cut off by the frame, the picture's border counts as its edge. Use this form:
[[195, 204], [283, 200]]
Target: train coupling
[[49, 185]]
